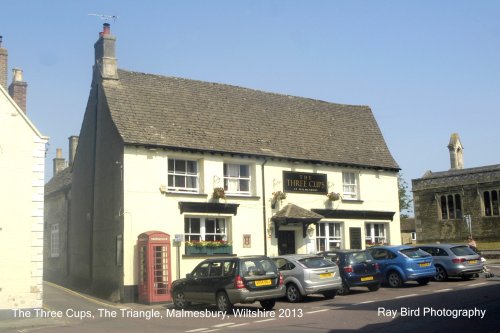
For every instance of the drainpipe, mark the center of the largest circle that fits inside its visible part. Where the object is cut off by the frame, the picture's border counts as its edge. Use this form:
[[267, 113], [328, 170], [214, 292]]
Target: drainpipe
[[264, 222]]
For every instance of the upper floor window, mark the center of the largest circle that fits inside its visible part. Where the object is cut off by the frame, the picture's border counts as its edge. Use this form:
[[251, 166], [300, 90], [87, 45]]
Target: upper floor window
[[491, 204], [451, 207], [182, 175], [237, 179], [350, 183]]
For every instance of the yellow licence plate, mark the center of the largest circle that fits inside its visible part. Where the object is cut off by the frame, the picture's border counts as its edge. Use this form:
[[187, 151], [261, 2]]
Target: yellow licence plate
[[260, 283], [425, 264], [367, 278], [325, 275], [472, 261]]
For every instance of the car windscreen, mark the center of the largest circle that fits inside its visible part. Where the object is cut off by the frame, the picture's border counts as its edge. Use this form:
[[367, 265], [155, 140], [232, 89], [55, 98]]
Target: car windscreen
[[414, 253], [316, 262], [257, 267], [359, 257], [463, 251]]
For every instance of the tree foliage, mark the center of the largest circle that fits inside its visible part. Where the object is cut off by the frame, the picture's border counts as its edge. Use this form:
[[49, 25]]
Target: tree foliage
[[405, 198]]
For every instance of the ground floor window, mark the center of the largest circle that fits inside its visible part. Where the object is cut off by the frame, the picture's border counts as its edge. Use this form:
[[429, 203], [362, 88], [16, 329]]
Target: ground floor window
[[54, 240], [375, 234], [491, 203], [328, 236], [206, 235]]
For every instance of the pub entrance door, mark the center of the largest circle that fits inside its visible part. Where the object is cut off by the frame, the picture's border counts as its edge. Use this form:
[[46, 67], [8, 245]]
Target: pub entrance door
[[286, 242]]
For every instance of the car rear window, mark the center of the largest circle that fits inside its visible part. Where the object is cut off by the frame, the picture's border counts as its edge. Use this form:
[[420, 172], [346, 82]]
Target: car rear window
[[462, 251], [257, 267], [316, 262], [359, 257], [414, 253]]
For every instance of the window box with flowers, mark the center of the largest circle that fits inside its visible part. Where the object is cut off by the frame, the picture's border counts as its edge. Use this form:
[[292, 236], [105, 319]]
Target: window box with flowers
[[209, 247], [369, 243]]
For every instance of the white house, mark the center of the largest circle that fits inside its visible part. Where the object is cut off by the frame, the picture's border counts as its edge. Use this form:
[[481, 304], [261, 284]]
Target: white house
[[22, 163]]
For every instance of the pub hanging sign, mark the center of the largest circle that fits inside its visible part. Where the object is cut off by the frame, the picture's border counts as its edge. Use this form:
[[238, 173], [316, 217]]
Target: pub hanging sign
[[303, 182]]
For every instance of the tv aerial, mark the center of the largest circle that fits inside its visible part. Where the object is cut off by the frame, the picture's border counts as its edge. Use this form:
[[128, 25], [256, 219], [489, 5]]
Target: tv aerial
[[105, 17]]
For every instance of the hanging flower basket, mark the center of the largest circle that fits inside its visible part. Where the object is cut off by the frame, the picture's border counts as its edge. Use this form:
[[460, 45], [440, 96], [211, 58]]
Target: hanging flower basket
[[333, 196], [219, 193], [278, 195]]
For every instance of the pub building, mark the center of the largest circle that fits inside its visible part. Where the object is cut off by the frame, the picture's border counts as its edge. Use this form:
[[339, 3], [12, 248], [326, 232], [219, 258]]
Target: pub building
[[177, 170]]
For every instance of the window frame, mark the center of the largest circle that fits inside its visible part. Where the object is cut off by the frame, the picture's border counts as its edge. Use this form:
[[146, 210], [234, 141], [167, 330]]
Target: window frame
[[172, 172], [350, 179], [491, 203], [450, 206], [202, 234], [328, 239], [371, 238], [239, 179], [54, 241]]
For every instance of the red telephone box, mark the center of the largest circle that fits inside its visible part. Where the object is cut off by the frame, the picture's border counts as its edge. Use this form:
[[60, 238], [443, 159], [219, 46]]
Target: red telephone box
[[155, 276]]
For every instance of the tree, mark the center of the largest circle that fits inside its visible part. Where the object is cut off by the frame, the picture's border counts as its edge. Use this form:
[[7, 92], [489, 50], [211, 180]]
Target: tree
[[405, 199]]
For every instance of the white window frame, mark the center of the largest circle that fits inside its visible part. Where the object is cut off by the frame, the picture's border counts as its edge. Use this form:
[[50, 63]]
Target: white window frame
[[172, 172], [237, 179], [350, 185], [54, 240], [373, 234], [328, 240], [203, 234]]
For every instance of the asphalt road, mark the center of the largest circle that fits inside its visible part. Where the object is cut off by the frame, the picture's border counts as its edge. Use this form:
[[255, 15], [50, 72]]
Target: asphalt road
[[454, 305]]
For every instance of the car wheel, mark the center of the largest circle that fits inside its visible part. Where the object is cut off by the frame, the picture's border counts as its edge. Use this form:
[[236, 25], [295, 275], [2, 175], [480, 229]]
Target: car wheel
[[268, 304], [423, 281], [344, 289], [330, 294], [223, 303], [394, 279], [374, 287], [179, 299], [441, 274], [293, 293]]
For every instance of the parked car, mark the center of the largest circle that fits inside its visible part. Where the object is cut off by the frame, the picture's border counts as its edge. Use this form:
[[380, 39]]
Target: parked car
[[226, 281], [306, 274], [454, 260], [402, 263], [357, 269]]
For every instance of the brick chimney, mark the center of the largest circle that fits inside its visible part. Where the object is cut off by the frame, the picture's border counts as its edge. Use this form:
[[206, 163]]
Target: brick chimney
[[59, 162], [3, 65], [73, 143], [18, 88], [105, 66]]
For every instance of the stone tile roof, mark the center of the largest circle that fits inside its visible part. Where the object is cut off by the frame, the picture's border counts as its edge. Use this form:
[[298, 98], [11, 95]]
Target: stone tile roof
[[468, 176], [60, 181], [188, 114]]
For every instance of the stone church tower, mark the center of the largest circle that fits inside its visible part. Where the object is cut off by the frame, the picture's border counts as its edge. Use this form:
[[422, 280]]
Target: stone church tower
[[456, 152]]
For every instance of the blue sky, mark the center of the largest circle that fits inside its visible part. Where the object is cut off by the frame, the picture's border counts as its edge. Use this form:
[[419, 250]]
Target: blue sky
[[426, 68]]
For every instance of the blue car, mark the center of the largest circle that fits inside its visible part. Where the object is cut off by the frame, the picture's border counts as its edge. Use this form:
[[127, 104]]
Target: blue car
[[402, 263]]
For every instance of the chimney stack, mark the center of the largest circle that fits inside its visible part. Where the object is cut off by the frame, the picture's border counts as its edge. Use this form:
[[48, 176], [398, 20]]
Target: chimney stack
[[73, 143], [105, 66], [3, 65], [456, 152], [59, 162], [18, 88]]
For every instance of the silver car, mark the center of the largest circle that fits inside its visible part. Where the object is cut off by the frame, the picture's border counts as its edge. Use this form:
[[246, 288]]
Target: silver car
[[306, 274], [453, 260]]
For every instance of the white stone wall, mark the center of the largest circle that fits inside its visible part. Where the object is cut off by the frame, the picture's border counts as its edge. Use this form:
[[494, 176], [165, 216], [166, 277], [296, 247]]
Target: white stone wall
[[147, 208], [22, 164]]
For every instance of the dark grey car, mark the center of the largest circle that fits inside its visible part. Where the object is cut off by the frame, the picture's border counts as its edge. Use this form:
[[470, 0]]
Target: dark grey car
[[453, 260], [226, 281]]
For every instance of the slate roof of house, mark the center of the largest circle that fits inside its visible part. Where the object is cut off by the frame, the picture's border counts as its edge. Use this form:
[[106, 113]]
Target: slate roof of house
[[60, 181], [188, 114], [459, 177]]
